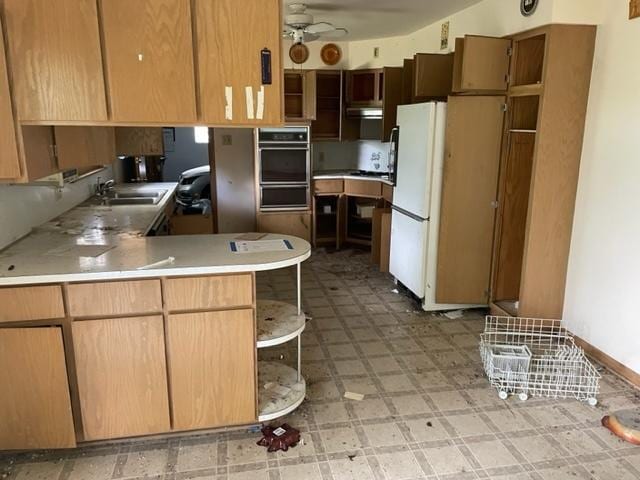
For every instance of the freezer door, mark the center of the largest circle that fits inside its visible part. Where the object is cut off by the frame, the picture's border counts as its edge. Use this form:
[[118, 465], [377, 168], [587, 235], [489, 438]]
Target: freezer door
[[414, 162], [408, 258]]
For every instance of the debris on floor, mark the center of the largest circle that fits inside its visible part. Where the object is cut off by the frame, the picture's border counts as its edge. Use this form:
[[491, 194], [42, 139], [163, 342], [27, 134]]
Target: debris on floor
[[280, 438], [454, 315], [354, 396], [624, 424]]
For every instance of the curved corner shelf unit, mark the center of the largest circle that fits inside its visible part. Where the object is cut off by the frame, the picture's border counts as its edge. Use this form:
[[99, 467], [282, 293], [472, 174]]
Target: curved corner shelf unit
[[281, 389]]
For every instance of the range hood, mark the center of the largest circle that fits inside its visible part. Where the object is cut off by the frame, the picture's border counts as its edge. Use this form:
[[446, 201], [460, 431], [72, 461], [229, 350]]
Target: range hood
[[369, 113]]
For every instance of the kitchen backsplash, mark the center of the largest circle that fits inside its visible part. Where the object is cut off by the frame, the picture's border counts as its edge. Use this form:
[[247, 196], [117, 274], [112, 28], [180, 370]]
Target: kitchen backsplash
[[371, 155]]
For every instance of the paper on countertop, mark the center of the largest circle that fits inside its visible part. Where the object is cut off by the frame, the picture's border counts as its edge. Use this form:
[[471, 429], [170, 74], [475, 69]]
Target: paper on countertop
[[260, 246]]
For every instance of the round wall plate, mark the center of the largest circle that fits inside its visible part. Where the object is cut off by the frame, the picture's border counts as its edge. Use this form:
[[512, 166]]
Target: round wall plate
[[330, 54], [299, 53], [528, 7]]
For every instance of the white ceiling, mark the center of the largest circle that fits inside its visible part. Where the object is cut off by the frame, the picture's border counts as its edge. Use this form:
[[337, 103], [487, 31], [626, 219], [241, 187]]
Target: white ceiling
[[380, 18]]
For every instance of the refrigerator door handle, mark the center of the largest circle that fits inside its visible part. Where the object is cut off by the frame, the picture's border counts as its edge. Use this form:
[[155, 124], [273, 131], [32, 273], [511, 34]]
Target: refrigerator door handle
[[413, 216], [393, 154]]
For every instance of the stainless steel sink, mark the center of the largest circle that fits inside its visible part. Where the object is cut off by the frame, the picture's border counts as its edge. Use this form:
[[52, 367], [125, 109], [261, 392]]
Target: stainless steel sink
[[134, 197]]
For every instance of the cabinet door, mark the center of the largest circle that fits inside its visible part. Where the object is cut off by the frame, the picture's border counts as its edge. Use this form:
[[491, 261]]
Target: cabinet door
[[392, 97], [84, 146], [149, 60], [9, 159], [122, 376], [34, 400], [481, 64], [296, 224], [56, 62], [408, 80], [433, 74], [212, 367], [469, 190], [231, 35], [39, 151], [310, 95], [135, 141]]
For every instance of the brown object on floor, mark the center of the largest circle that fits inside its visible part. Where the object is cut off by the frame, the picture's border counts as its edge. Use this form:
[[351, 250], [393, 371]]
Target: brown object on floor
[[280, 438], [624, 424]]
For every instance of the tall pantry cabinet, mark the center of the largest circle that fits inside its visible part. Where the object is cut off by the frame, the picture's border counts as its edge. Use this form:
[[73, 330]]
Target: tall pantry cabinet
[[546, 73]]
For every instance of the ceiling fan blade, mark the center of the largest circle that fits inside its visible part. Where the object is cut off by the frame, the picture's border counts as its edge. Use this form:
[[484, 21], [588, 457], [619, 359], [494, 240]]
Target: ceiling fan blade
[[310, 37], [320, 27], [336, 33]]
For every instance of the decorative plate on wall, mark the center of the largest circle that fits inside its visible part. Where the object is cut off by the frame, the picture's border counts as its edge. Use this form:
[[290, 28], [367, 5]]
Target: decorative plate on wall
[[330, 54], [528, 7], [299, 53]]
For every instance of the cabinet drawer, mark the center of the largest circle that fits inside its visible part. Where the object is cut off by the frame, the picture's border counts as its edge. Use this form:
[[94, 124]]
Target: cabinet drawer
[[114, 298], [31, 303], [365, 188], [328, 186], [387, 192], [221, 291]]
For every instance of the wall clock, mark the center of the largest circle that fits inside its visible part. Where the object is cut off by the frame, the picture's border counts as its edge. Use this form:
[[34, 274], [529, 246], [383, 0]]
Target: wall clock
[[528, 7]]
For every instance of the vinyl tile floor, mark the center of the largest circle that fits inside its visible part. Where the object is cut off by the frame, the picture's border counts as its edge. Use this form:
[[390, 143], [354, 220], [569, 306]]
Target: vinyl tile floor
[[428, 411]]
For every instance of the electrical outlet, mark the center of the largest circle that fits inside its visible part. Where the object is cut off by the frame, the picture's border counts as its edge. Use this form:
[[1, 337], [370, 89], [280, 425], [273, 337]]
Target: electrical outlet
[[634, 9], [376, 52], [227, 140]]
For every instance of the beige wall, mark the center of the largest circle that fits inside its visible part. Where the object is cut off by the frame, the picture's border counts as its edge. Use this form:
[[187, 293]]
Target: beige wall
[[603, 288]]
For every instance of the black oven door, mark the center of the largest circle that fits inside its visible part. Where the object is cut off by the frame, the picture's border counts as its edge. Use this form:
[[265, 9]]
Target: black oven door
[[286, 197], [280, 165]]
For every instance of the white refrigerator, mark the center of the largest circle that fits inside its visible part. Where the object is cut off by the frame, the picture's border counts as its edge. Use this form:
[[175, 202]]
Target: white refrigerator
[[415, 216]]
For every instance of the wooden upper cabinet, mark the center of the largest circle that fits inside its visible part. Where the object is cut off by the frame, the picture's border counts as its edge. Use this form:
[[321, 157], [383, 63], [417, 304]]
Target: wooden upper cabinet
[[35, 405], [84, 146], [481, 64], [299, 95], [433, 75], [55, 60], [149, 60], [9, 158], [391, 98], [365, 87], [231, 36]]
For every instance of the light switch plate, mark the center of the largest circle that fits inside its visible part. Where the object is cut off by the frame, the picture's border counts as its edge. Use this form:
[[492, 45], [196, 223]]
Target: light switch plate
[[227, 140], [634, 9]]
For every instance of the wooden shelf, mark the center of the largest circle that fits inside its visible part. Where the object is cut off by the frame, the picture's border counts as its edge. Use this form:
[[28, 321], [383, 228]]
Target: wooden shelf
[[285, 394], [278, 323], [526, 90]]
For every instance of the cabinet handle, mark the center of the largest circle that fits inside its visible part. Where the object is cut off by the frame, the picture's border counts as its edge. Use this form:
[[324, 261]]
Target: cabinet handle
[[140, 57]]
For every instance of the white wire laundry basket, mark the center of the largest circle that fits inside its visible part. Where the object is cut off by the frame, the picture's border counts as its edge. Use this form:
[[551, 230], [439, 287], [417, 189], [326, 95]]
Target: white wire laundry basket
[[536, 357]]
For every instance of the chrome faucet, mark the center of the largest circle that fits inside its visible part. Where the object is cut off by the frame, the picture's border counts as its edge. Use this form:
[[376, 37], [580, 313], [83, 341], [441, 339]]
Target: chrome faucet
[[104, 188]]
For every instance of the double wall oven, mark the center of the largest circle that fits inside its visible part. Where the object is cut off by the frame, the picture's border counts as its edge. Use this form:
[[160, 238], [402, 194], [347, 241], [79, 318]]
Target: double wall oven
[[284, 168]]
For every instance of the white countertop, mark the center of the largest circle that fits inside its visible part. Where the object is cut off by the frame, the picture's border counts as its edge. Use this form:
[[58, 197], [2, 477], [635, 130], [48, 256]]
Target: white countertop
[[330, 175], [94, 242]]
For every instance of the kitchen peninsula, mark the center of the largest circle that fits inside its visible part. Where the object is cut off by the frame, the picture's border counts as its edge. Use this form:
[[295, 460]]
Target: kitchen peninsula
[[114, 334]]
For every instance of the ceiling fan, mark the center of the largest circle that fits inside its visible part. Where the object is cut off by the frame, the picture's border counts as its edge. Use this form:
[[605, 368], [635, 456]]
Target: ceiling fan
[[299, 26]]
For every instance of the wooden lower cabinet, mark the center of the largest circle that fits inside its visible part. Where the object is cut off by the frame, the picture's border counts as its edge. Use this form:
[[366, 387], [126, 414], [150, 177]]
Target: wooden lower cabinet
[[122, 377], [297, 224], [35, 406], [212, 368]]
